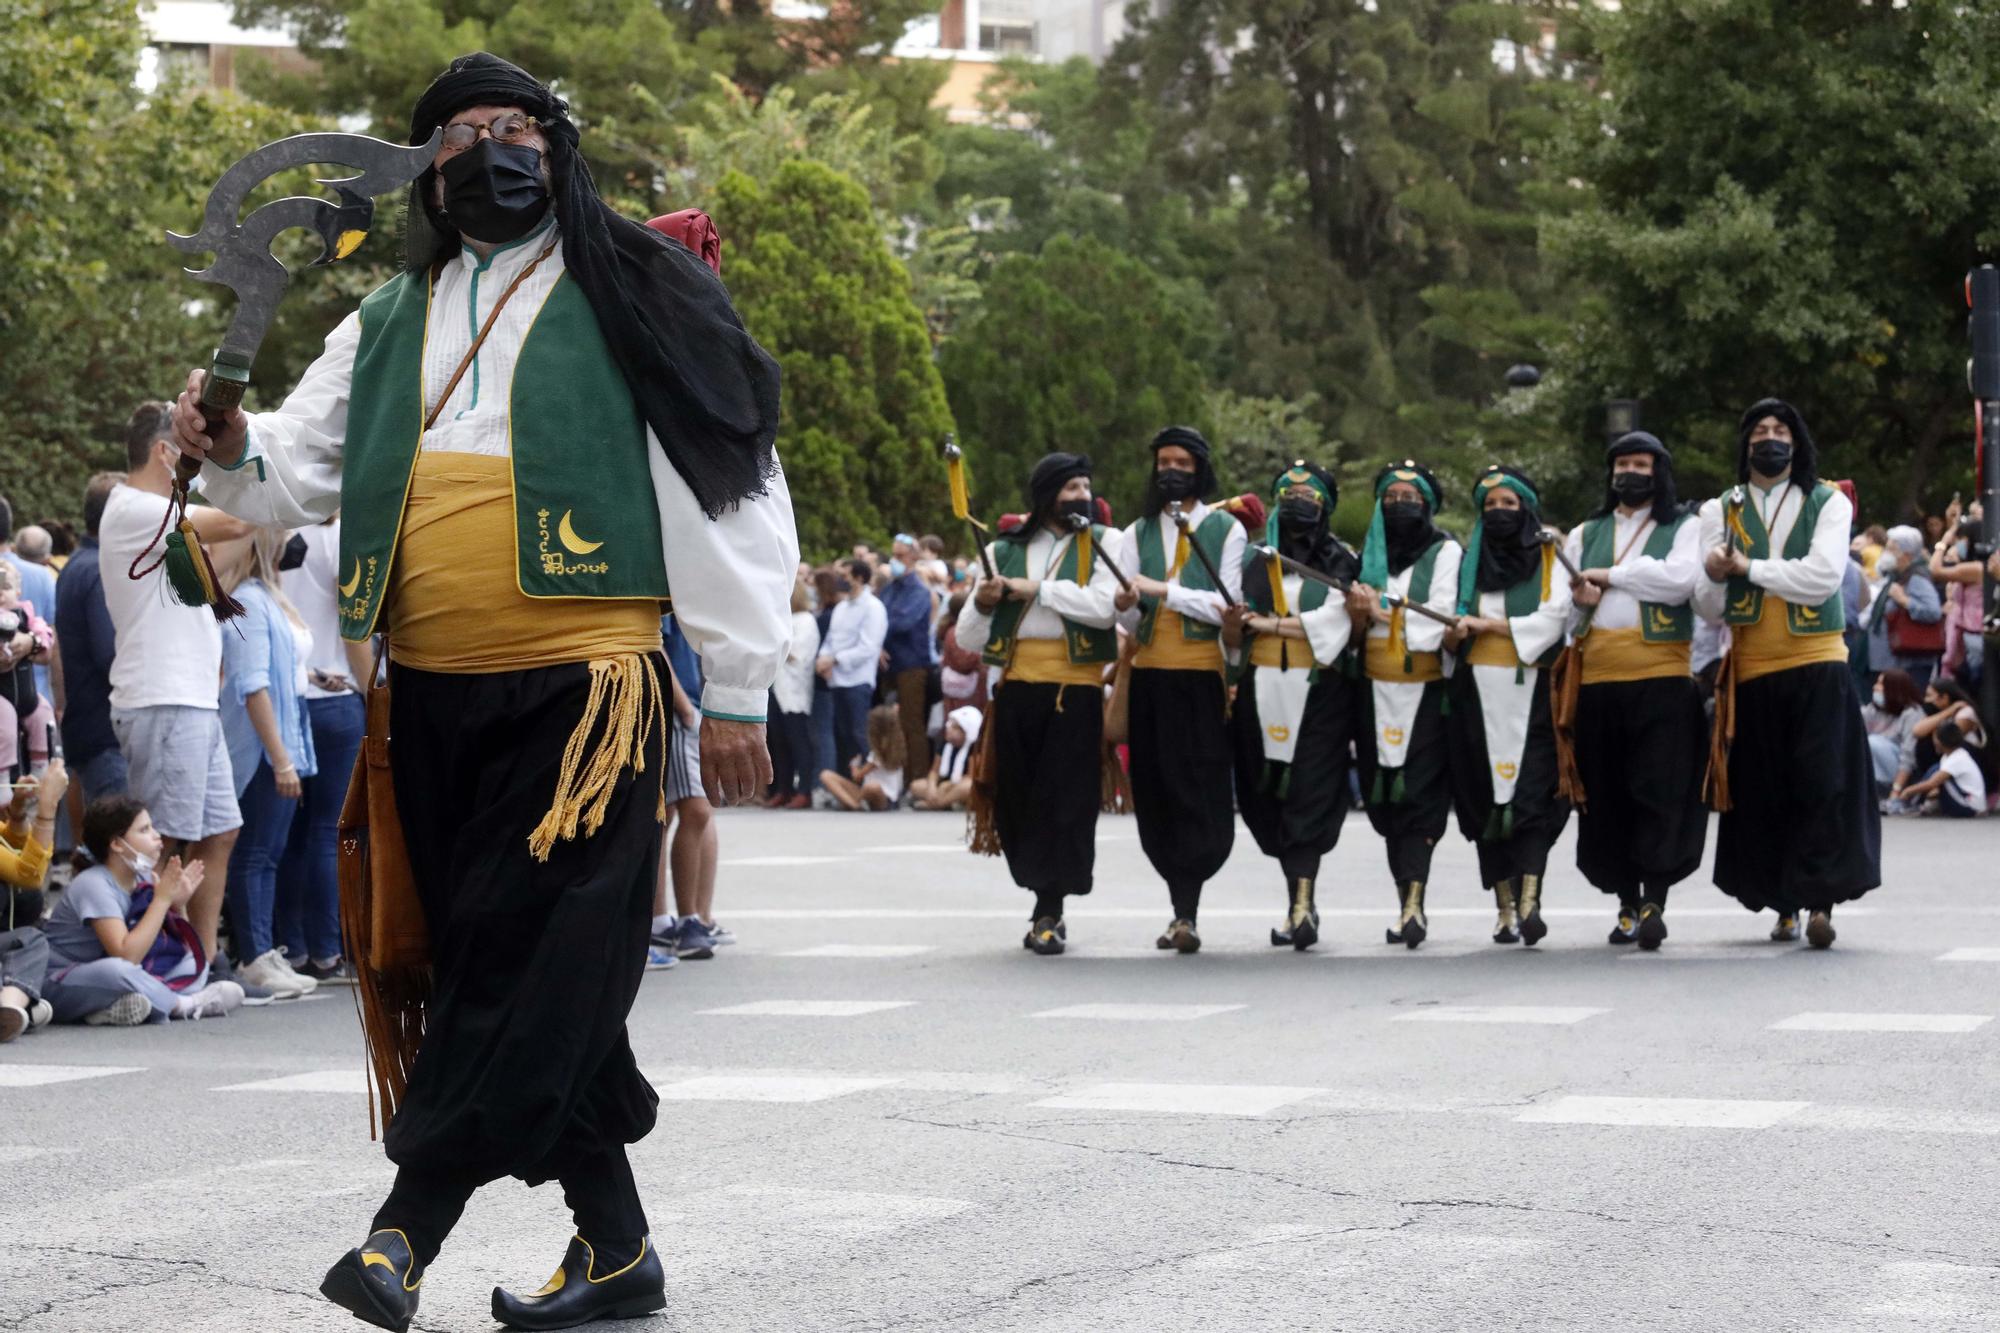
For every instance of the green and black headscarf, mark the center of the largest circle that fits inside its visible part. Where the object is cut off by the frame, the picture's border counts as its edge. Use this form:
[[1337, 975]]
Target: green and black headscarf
[[1497, 559], [1391, 549]]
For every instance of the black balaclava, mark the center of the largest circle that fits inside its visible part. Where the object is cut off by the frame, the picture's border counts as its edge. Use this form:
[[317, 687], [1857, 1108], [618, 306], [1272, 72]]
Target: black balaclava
[[708, 391], [1045, 481], [1508, 548], [1805, 455], [1666, 498], [1192, 440]]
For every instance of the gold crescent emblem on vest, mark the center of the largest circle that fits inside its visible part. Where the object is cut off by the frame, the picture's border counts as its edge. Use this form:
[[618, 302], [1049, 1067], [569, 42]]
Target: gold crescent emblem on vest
[[1808, 613], [1741, 607], [1393, 735], [573, 543], [1279, 732], [1505, 770], [1661, 620], [347, 588]]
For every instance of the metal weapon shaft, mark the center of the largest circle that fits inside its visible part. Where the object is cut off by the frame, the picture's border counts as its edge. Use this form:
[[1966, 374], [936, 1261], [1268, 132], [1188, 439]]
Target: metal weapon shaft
[[1181, 521], [1292, 566], [1079, 524]]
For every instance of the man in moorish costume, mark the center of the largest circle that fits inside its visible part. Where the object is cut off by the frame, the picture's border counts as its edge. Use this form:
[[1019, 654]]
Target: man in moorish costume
[[549, 416], [1046, 619]]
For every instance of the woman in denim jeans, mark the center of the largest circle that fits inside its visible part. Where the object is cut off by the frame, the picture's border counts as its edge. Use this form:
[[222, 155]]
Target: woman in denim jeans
[[270, 750]]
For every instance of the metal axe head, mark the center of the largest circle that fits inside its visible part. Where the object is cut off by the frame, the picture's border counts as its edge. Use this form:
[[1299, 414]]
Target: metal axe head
[[243, 259]]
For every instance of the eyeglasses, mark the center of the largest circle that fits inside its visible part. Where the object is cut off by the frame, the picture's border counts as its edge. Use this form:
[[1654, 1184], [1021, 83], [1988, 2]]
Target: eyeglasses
[[509, 128]]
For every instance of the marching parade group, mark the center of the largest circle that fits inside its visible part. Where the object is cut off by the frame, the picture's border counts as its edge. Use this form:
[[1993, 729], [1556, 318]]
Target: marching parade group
[[1509, 680]]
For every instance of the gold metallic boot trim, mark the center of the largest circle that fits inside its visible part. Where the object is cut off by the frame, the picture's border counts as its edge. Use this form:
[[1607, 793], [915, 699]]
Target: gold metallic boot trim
[[1413, 927], [1530, 908], [1503, 923]]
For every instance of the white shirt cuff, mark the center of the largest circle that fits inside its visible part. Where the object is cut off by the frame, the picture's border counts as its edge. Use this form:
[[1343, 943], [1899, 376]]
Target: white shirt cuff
[[733, 703]]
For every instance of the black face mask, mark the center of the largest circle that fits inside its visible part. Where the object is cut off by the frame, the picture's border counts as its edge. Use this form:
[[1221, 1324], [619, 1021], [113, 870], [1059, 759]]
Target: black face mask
[[1079, 508], [1298, 514], [1632, 488], [1504, 525], [1174, 484], [1404, 514], [493, 191], [294, 553], [1768, 458]]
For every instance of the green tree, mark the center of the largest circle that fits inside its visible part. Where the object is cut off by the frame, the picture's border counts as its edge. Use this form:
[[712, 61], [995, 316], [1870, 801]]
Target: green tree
[[96, 314], [1077, 348], [1784, 198], [864, 406]]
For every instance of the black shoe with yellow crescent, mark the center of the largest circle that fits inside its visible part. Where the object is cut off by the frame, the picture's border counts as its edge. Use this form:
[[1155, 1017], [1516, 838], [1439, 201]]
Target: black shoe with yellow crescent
[[377, 1282], [578, 1293]]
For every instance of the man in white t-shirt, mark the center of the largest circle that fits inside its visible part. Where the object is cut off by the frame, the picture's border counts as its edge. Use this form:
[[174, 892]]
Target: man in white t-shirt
[[166, 671]]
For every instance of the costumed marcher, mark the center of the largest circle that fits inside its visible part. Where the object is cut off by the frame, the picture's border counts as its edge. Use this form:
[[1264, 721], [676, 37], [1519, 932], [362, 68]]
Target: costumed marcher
[[1789, 765], [546, 417], [1405, 758], [1046, 619], [1179, 740], [1639, 725], [1295, 686], [1513, 613]]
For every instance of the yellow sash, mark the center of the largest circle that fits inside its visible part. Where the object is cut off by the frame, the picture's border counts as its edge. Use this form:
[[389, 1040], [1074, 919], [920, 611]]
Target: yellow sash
[[1385, 662], [1046, 662], [1170, 650], [1623, 654], [1766, 644], [1494, 650], [1268, 650], [455, 604]]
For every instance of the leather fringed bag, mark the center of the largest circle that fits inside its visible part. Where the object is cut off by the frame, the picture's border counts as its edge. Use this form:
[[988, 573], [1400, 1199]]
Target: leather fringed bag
[[382, 923], [1565, 682], [982, 835]]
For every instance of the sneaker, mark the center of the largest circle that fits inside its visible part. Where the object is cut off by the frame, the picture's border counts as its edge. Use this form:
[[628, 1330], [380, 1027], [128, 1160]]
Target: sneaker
[[693, 940], [215, 1000], [666, 936], [339, 972], [127, 1011], [660, 957], [224, 970], [40, 1014], [721, 934], [13, 1021], [277, 956], [265, 971]]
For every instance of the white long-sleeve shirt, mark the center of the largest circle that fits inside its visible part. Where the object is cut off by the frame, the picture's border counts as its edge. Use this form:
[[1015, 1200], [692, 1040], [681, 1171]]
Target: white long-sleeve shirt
[[1640, 577], [1327, 627], [854, 638], [731, 576], [1056, 600], [1194, 603], [1807, 581], [1535, 633]]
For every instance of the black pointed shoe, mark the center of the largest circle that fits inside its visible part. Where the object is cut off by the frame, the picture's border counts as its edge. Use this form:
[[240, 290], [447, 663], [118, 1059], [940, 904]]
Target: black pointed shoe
[[1786, 930], [1652, 926], [1529, 909], [1180, 936], [578, 1294], [1047, 936], [376, 1282], [1627, 929]]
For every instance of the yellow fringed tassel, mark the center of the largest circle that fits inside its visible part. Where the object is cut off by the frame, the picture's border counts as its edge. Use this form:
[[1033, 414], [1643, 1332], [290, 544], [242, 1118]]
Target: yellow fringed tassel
[[625, 697], [961, 499], [1548, 568], [1275, 572], [1715, 782]]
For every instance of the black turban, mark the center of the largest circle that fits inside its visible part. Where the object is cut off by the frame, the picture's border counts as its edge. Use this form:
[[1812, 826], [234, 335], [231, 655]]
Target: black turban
[[1192, 440], [1666, 497], [1050, 475], [700, 380], [1805, 455]]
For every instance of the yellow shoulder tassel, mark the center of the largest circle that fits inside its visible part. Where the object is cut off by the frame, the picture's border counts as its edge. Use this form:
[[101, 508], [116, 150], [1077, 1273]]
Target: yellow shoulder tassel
[[625, 696], [1275, 572]]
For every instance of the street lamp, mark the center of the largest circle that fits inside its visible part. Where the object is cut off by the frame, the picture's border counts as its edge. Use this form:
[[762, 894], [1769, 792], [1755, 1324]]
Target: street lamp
[[1523, 377]]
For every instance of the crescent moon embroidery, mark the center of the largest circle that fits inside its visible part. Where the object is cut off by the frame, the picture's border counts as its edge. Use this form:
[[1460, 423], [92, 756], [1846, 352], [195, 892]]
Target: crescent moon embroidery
[[347, 588], [573, 543]]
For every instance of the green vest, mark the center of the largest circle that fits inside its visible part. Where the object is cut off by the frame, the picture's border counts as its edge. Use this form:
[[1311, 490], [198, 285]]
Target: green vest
[[1257, 588], [1745, 605], [1658, 622], [586, 522], [1210, 536], [1524, 599], [1420, 574], [1086, 643]]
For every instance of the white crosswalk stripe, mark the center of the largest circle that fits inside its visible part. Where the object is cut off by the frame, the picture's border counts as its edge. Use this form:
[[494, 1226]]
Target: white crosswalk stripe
[[806, 1008], [766, 1088], [1543, 1015], [1832, 1022], [1971, 955], [318, 1080], [1140, 1013], [1179, 1098], [1918, 1296], [1661, 1112], [36, 1076]]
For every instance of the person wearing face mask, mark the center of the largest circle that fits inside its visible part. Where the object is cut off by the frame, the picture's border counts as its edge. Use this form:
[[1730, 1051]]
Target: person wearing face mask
[[1046, 620], [1403, 754], [1513, 611], [1906, 630], [1179, 739], [550, 413], [1800, 830], [910, 609], [1639, 725], [1953, 568], [1288, 647]]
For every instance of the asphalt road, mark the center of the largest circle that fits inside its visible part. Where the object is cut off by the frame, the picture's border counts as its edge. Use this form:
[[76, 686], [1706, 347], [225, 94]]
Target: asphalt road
[[878, 1112]]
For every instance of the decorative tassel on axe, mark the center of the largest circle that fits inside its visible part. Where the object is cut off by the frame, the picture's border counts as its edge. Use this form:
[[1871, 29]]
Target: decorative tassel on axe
[[245, 265]]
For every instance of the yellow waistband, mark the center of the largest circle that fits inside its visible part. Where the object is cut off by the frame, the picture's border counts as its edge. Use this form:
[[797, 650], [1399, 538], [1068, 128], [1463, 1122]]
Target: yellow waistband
[[1385, 662], [1268, 650], [455, 603], [1768, 644], [1046, 662], [1493, 650], [1172, 651], [1623, 654]]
